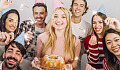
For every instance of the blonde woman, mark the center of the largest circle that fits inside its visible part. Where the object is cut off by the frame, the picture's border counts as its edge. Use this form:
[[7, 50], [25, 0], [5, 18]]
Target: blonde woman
[[59, 39]]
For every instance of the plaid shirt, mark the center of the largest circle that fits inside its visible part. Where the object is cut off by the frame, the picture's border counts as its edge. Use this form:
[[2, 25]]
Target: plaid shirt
[[27, 26]]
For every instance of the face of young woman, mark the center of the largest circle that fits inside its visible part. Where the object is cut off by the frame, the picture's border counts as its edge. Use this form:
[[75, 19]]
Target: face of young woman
[[11, 22], [59, 21], [113, 43], [98, 24]]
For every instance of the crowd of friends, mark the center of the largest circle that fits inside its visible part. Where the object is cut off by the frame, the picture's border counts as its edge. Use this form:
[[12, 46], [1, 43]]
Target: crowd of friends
[[65, 35]]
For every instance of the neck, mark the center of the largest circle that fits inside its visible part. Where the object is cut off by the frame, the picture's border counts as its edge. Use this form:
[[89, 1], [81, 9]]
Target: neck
[[60, 33], [40, 25], [5, 68], [118, 57], [100, 35], [75, 19]]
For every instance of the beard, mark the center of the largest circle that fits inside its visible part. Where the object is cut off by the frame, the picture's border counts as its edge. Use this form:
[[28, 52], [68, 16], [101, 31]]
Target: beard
[[9, 65]]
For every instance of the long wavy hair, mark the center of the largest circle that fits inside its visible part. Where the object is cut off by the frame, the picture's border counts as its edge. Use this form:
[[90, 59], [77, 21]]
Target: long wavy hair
[[110, 58], [5, 16], [103, 17], [69, 43]]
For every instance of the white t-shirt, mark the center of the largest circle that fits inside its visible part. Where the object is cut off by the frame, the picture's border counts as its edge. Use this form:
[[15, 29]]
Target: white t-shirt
[[82, 29]]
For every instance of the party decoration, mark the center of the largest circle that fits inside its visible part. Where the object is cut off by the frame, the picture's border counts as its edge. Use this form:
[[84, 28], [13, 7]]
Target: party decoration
[[38, 1], [56, 4], [20, 39], [4, 11], [102, 10]]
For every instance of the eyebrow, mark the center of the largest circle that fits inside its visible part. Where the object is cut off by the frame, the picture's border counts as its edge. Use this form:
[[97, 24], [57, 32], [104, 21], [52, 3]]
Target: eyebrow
[[14, 47], [113, 38]]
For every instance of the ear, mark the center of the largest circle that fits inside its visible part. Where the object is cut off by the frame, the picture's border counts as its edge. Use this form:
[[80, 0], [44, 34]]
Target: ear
[[46, 13], [4, 55], [22, 59]]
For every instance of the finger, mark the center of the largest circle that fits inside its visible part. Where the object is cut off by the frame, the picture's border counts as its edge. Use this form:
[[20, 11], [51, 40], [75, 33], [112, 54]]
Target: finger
[[3, 37], [7, 38], [29, 32], [11, 36]]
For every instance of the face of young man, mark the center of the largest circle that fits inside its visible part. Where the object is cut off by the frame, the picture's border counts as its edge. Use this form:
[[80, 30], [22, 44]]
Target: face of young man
[[12, 57], [78, 8], [39, 14]]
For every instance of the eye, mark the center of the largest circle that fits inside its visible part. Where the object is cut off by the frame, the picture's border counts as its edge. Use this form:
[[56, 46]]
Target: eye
[[10, 20], [81, 5], [18, 53], [94, 22], [63, 17], [55, 16], [108, 42], [116, 40], [100, 22], [75, 4]]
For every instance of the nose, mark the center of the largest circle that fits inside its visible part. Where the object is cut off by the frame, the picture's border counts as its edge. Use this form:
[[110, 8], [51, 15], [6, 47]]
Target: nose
[[114, 44], [97, 25]]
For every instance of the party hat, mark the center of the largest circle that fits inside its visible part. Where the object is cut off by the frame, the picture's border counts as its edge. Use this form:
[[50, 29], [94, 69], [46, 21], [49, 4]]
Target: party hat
[[86, 0], [20, 39], [4, 11], [56, 4], [102, 10], [38, 1]]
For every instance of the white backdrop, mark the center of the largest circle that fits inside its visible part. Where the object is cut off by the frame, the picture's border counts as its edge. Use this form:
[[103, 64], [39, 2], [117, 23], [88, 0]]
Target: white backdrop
[[111, 7]]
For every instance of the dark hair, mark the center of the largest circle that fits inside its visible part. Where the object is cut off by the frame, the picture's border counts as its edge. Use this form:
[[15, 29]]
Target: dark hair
[[19, 46], [40, 5], [103, 17], [5, 16], [110, 58], [85, 6]]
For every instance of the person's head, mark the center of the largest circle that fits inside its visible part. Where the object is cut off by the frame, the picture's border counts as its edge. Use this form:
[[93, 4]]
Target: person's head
[[40, 12], [98, 24], [111, 46], [78, 7], [14, 54], [60, 20], [10, 21]]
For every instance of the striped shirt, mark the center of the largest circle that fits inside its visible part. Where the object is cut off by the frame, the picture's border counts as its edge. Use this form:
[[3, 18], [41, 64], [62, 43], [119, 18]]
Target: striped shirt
[[95, 53]]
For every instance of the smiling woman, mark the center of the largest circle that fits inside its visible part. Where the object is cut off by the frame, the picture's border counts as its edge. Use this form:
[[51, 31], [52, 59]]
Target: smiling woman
[[10, 21]]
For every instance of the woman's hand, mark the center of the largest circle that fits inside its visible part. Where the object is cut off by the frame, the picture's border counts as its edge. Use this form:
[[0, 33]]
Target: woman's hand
[[4, 4], [93, 40], [36, 63], [6, 38], [68, 67], [89, 67], [113, 23]]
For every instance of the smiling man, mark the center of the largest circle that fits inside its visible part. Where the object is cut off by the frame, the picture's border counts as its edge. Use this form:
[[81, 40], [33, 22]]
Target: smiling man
[[13, 56]]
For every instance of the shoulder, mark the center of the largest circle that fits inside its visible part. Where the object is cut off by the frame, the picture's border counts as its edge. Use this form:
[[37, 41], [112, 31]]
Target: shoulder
[[44, 36], [87, 38]]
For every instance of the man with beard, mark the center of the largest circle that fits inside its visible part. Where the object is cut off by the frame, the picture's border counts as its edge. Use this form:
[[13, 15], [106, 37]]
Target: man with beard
[[13, 54], [80, 28], [33, 30]]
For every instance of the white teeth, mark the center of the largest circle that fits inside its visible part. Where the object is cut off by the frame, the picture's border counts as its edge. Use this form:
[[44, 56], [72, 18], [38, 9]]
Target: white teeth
[[58, 23], [77, 11], [115, 49], [11, 60], [12, 27], [97, 29]]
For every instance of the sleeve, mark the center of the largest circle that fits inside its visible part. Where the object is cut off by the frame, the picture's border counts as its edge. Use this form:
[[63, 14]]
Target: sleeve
[[105, 65], [91, 50], [77, 52], [39, 46]]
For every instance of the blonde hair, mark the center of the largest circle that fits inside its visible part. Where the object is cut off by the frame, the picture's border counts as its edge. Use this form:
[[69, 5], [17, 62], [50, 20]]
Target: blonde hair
[[69, 43]]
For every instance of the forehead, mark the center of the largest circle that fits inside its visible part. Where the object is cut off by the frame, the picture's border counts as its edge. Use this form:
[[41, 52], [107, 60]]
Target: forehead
[[13, 16], [97, 18], [79, 2], [39, 9], [14, 47], [111, 36], [59, 12]]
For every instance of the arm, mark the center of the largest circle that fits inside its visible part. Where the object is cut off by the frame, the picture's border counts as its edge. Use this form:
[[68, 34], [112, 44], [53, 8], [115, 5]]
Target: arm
[[105, 65], [91, 49]]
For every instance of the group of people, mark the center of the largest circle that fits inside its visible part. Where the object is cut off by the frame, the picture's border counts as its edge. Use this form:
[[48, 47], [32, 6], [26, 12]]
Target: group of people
[[64, 35]]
